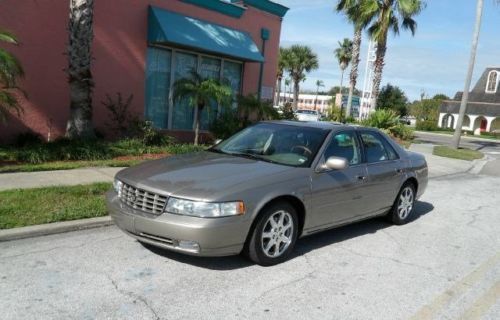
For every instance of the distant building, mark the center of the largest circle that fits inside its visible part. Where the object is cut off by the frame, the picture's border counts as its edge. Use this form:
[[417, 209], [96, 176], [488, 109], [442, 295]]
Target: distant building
[[483, 108], [306, 101]]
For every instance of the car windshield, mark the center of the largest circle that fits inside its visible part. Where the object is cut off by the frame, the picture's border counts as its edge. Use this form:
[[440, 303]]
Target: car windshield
[[307, 112], [277, 143]]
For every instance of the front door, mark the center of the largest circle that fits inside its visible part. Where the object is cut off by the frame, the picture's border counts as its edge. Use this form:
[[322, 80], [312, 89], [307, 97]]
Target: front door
[[338, 195]]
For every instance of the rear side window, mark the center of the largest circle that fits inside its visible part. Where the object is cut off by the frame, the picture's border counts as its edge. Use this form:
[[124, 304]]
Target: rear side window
[[376, 148]]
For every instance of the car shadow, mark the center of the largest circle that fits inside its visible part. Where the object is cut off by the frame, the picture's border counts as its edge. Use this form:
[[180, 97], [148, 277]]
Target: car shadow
[[303, 246]]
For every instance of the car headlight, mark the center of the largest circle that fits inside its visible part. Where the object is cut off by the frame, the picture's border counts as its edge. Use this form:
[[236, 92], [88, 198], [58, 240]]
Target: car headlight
[[205, 209], [117, 185]]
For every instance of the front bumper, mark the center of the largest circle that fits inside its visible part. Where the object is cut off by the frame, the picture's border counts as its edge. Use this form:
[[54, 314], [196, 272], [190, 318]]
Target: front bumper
[[215, 237]]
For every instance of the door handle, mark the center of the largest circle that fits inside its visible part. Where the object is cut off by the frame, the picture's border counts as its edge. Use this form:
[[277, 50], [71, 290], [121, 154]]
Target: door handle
[[399, 171], [361, 178]]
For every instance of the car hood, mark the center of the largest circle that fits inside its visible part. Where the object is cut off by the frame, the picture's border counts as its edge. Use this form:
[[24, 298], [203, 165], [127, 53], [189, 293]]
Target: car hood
[[199, 175]]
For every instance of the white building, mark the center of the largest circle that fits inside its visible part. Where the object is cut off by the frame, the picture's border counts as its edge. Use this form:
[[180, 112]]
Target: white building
[[483, 108], [307, 101]]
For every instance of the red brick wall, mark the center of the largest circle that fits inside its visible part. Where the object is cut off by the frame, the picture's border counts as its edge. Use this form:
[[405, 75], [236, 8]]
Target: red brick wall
[[119, 49]]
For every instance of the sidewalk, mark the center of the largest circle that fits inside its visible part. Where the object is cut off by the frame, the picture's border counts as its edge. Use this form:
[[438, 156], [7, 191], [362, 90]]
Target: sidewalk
[[58, 177], [441, 166]]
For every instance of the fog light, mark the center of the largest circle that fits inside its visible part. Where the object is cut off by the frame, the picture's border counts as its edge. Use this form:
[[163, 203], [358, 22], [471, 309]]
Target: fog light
[[189, 245]]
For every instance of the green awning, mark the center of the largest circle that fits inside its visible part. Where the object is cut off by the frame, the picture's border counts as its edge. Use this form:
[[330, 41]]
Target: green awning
[[166, 27]]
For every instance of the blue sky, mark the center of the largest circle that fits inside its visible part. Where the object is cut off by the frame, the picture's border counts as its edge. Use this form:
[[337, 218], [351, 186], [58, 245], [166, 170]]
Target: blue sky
[[435, 60]]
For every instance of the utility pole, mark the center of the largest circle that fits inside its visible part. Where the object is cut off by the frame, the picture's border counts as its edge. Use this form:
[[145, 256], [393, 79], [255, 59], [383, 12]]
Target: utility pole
[[468, 79]]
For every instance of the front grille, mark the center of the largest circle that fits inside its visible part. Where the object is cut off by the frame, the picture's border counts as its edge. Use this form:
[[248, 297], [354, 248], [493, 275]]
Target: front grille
[[146, 201]]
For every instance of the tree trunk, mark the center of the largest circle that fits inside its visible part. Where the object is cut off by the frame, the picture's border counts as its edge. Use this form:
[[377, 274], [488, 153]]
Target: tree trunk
[[378, 69], [470, 70], [341, 82], [356, 46], [197, 116], [296, 88], [79, 76], [278, 92], [316, 98]]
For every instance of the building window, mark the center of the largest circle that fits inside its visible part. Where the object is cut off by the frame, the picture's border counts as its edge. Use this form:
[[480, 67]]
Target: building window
[[492, 84], [158, 86], [165, 66]]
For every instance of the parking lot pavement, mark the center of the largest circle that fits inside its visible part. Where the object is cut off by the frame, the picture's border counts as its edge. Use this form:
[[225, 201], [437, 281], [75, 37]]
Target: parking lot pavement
[[445, 264]]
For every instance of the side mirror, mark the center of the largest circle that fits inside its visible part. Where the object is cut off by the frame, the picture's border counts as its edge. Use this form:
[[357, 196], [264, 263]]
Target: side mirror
[[335, 163], [216, 142]]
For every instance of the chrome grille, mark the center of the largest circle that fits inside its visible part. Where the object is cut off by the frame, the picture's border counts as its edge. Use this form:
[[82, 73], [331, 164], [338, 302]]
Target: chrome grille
[[146, 201]]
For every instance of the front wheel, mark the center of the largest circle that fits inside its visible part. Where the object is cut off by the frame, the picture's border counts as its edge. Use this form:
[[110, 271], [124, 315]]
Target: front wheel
[[274, 235], [403, 205]]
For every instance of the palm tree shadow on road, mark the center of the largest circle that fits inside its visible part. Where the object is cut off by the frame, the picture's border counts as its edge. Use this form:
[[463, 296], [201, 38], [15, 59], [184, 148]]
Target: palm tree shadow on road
[[302, 247]]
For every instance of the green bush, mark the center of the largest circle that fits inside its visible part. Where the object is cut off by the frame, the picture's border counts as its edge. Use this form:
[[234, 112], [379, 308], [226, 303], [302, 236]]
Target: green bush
[[226, 125], [27, 138], [287, 112], [401, 131], [382, 119], [428, 125]]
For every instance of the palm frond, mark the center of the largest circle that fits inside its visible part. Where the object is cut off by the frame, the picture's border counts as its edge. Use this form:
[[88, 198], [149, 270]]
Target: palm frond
[[7, 36], [8, 104]]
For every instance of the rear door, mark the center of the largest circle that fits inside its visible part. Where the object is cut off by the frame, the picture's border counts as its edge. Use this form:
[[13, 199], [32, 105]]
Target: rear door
[[385, 171]]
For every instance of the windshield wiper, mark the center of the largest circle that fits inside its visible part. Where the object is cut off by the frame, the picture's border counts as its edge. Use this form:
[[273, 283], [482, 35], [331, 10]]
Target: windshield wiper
[[251, 156]]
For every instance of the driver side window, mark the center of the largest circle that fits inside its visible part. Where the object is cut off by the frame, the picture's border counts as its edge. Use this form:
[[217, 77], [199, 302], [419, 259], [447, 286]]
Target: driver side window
[[344, 145]]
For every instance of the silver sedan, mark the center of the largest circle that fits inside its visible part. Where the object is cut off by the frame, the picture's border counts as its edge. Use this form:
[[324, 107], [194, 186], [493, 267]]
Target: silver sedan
[[268, 185]]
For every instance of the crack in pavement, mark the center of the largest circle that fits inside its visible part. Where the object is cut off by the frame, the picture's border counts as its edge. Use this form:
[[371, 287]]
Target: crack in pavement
[[59, 247], [134, 296], [428, 269]]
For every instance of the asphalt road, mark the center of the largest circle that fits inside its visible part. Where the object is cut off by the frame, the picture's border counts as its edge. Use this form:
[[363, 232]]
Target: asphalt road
[[443, 265]]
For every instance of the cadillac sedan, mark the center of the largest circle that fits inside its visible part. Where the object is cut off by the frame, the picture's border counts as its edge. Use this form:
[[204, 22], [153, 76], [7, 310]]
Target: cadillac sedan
[[268, 185]]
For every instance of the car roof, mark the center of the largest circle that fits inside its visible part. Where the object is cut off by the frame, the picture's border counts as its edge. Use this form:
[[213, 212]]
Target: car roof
[[325, 125]]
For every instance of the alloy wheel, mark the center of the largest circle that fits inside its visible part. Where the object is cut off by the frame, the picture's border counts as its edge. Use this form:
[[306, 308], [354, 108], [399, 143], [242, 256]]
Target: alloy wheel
[[405, 203], [277, 234]]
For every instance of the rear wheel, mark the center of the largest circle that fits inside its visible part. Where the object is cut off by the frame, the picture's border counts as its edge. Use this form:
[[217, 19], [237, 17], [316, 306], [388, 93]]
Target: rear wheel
[[274, 235], [403, 205]]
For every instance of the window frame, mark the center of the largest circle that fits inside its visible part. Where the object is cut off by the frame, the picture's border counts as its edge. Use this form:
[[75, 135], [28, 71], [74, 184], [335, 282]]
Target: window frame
[[327, 142], [199, 55], [488, 80], [385, 144]]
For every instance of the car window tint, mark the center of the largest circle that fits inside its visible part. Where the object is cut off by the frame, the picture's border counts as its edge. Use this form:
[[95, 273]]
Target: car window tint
[[390, 150], [344, 145], [375, 149]]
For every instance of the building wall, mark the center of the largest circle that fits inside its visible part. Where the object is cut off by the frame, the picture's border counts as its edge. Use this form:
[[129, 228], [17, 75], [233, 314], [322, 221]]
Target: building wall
[[119, 50]]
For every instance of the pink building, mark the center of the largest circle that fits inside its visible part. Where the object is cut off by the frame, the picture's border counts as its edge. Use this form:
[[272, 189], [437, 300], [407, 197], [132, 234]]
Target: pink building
[[141, 47]]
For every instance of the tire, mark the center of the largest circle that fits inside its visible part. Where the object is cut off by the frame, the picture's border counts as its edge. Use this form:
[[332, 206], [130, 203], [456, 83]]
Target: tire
[[272, 244], [402, 208]]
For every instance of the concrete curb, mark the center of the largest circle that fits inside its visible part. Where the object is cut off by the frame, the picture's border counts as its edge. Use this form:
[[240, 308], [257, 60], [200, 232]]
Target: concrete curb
[[54, 228], [462, 137]]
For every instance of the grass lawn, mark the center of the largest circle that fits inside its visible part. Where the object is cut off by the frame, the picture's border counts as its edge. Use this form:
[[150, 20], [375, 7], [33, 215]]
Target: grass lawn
[[25, 207], [66, 165], [461, 153]]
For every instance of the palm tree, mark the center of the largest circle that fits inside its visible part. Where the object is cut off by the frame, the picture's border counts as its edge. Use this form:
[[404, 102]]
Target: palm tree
[[81, 15], [10, 71], [287, 84], [351, 10], [200, 92], [380, 17], [344, 55], [302, 60], [283, 61], [319, 83], [468, 79]]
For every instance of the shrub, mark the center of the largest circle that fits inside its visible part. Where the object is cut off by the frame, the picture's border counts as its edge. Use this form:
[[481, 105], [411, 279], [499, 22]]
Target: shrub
[[226, 125], [401, 131], [27, 138], [287, 112], [382, 119], [150, 136], [428, 125], [119, 113]]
